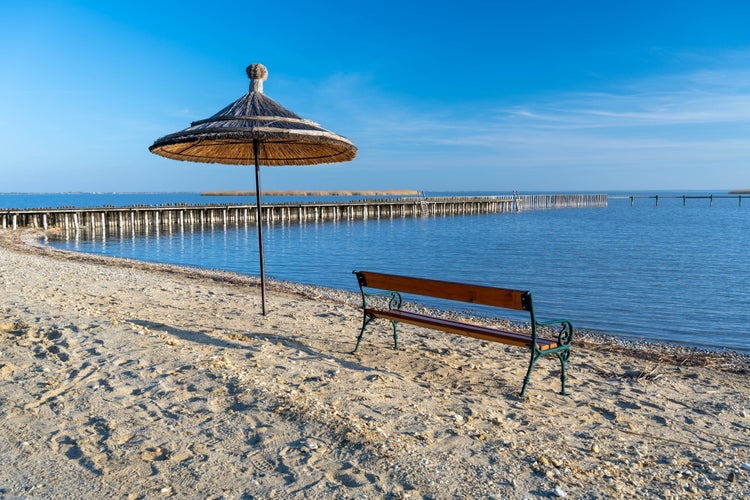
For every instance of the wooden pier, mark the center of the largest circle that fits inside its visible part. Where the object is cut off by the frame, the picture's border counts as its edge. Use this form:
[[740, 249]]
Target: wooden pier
[[113, 220]]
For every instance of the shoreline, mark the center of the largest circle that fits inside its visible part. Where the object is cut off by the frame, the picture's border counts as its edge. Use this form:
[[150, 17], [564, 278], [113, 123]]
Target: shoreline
[[673, 352], [130, 379]]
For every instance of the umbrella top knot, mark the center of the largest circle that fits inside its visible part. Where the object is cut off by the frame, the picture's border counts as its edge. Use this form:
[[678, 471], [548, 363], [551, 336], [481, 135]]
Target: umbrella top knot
[[257, 74]]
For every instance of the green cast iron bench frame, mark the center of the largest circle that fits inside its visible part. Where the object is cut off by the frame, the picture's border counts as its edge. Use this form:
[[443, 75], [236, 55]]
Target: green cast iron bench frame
[[392, 286]]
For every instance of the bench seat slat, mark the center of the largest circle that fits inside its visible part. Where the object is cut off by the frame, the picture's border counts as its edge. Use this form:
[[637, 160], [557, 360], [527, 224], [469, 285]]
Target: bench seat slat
[[451, 326]]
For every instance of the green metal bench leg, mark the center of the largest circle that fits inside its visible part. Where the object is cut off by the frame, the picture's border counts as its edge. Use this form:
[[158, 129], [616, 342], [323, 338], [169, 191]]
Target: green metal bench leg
[[395, 334], [527, 378], [359, 339], [563, 357], [365, 321]]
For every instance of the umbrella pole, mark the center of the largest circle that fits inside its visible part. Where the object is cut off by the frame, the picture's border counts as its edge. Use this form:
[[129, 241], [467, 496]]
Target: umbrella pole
[[260, 228]]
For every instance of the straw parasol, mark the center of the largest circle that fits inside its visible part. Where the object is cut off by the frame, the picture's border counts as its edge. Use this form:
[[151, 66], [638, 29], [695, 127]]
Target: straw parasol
[[256, 130]]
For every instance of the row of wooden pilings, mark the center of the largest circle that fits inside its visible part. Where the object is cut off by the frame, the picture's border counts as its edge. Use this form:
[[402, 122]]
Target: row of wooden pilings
[[146, 218], [684, 198]]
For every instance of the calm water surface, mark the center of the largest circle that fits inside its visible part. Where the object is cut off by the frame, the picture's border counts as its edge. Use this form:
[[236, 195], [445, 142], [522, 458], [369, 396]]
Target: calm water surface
[[668, 273]]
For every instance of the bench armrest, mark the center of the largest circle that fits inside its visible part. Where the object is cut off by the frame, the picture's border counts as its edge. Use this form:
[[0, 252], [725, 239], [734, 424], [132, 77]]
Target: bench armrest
[[394, 298], [565, 334]]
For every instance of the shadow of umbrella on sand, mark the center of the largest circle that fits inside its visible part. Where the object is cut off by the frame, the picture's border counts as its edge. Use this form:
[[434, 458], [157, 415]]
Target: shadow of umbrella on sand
[[256, 130]]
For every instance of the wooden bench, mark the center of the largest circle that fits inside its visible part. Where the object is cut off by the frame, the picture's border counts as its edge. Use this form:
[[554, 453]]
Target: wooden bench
[[391, 287]]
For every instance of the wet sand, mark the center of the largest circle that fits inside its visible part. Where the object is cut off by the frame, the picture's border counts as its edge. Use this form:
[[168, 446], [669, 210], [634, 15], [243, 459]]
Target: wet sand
[[127, 379]]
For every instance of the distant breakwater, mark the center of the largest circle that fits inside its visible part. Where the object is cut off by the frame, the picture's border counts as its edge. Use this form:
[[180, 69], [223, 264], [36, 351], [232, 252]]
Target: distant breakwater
[[391, 192], [142, 218], [710, 197]]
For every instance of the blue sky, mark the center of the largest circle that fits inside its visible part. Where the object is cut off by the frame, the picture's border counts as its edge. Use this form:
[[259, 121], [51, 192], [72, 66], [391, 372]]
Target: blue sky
[[473, 95]]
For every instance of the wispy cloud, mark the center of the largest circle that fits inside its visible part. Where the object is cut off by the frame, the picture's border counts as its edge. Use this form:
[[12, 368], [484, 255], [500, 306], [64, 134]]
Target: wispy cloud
[[693, 124], [670, 106]]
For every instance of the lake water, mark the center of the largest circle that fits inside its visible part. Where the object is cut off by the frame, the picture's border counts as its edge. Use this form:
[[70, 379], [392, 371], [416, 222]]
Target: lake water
[[669, 273]]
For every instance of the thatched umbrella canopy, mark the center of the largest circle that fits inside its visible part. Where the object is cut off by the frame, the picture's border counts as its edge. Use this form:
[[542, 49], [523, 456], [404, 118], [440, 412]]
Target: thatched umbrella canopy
[[256, 130]]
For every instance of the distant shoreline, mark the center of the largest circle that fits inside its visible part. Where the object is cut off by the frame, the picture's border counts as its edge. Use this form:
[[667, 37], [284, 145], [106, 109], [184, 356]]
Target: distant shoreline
[[390, 192], [740, 191]]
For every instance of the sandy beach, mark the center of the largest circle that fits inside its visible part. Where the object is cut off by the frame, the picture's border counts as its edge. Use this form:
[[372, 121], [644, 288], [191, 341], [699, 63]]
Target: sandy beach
[[133, 380]]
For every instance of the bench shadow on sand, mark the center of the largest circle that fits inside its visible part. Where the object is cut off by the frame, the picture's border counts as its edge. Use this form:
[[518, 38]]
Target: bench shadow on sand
[[200, 337]]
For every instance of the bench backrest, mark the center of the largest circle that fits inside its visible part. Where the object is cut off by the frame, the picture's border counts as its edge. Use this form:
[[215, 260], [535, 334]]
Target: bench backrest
[[476, 294]]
